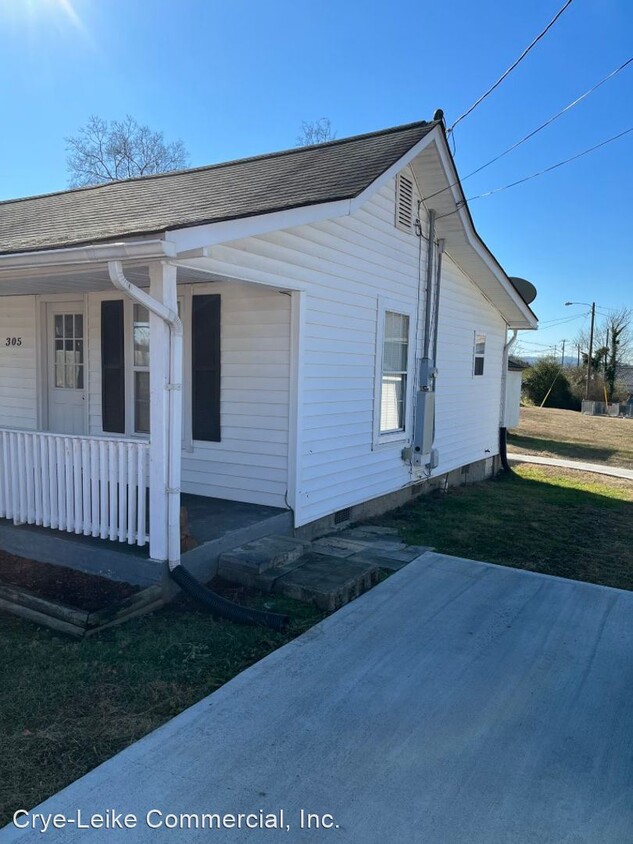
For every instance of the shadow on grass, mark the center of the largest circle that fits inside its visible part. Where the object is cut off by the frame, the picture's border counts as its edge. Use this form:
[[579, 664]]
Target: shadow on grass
[[545, 524], [568, 450], [66, 705]]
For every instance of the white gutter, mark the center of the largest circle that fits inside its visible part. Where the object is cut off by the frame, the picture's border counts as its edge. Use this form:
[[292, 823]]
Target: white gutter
[[172, 320], [143, 250]]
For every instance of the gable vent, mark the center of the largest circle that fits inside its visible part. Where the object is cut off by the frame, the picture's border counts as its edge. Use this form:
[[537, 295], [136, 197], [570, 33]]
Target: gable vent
[[404, 203]]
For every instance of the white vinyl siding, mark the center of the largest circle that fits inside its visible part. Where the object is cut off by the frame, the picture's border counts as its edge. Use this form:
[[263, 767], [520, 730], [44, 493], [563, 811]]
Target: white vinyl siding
[[468, 408], [346, 265], [18, 363], [251, 461]]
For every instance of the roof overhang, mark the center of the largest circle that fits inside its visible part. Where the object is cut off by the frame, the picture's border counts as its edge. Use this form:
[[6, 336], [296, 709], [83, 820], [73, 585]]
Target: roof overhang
[[437, 178], [84, 269]]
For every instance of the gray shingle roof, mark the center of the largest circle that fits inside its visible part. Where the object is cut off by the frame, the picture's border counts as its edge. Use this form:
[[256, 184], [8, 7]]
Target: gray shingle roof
[[297, 177]]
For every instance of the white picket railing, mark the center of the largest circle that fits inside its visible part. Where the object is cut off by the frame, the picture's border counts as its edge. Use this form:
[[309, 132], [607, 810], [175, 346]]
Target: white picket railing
[[89, 485]]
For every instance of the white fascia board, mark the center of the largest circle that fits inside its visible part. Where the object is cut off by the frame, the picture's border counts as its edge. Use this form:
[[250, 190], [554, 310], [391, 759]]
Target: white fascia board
[[192, 242], [81, 256], [477, 244]]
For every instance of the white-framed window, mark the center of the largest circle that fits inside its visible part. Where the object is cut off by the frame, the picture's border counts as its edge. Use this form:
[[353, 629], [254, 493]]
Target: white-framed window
[[479, 353], [394, 372], [140, 368]]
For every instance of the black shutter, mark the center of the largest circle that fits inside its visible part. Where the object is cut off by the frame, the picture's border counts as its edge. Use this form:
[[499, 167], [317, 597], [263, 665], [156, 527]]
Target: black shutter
[[112, 367], [205, 365]]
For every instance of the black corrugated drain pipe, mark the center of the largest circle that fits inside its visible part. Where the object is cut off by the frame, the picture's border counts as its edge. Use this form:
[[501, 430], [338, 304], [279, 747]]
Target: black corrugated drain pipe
[[220, 607], [503, 449]]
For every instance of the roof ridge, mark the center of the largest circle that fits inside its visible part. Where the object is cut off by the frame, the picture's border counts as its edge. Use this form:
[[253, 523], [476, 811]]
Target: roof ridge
[[205, 167]]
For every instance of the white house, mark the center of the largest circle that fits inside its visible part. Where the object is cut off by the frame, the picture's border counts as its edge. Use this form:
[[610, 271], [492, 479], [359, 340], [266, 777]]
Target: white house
[[273, 330]]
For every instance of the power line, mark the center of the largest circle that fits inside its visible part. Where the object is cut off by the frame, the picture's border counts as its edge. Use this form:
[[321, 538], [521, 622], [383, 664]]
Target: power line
[[553, 167], [512, 66], [535, 131], [552, 323], [551, 119], [559, 320], [540, 345], [535, 175]]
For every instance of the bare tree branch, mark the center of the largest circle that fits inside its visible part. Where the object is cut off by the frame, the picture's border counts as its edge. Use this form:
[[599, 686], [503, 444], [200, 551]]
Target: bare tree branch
[[315, 132], [122, 149]]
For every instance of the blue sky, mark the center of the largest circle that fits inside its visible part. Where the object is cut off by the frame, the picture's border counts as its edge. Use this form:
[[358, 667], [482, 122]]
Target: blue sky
[[237, 78]]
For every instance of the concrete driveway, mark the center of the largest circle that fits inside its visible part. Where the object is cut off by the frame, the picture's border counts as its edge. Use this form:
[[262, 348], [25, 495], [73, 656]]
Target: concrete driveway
[[456, 702]]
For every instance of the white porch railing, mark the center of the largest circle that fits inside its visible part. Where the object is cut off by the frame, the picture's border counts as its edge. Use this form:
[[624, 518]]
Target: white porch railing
[[89, 485]]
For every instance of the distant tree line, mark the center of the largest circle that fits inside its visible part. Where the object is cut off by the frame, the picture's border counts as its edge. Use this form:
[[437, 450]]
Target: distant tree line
[[562, 386]]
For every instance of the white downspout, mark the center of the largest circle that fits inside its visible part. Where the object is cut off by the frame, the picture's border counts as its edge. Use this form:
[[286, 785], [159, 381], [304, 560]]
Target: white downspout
[[504, 376], [172, 320]]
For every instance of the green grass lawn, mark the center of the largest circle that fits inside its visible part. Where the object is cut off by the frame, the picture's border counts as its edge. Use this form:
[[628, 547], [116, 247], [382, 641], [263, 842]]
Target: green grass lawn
[[570, 435], [559, 522], [67, 706]]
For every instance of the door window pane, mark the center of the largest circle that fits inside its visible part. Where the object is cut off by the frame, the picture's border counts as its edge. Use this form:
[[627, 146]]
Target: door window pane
[[68, 351]]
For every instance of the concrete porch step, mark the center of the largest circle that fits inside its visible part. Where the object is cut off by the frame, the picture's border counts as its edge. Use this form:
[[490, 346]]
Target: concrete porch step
[[287, 566], [247, 564], [328, 582]]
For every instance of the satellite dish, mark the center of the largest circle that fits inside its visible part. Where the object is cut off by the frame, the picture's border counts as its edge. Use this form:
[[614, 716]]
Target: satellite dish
[[524, 288]]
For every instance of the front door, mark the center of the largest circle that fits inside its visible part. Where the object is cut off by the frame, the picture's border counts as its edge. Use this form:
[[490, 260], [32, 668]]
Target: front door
[[66, 368]]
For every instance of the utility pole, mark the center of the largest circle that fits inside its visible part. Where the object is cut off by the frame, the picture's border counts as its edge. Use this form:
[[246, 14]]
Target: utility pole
[[562, 357], [593, 319], [578, 349]]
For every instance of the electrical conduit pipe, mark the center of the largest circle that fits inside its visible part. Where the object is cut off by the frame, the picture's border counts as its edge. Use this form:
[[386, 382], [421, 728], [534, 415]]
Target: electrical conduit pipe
[[188, 583]]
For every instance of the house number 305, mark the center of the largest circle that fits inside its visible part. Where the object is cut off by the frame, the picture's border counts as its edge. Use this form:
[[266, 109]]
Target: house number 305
[[13, 341]]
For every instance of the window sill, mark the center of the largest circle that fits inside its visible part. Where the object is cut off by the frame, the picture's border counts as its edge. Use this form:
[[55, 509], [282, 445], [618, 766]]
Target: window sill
[[397, 438]]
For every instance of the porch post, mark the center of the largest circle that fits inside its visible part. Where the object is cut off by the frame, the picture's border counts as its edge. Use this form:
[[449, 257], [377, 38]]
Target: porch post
[[162, 288]]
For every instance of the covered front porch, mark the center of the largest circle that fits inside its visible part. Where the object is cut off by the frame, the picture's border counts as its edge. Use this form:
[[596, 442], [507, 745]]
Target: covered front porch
[[107, 415], [213, 525]]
